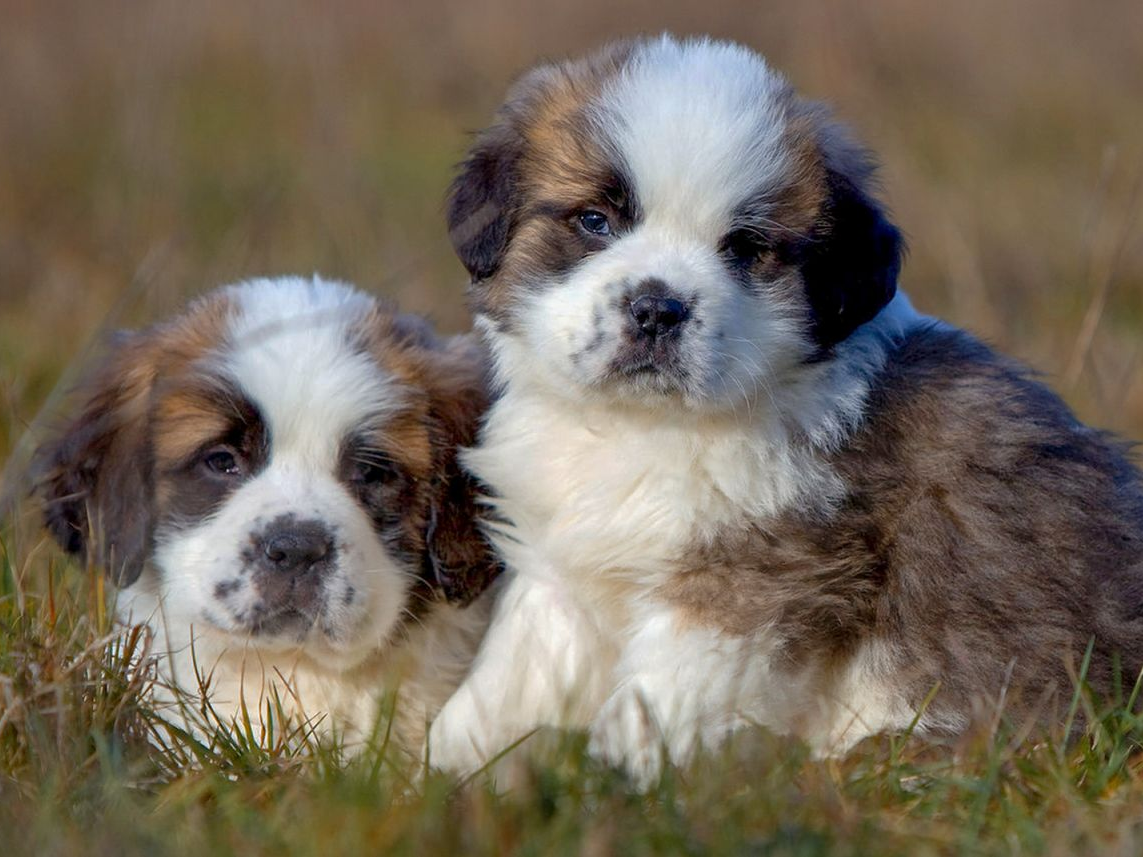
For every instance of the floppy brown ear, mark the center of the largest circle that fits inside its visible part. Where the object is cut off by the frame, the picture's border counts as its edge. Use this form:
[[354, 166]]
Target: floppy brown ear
[[850, 267], [94, 478], [458, 558], [482, 200]]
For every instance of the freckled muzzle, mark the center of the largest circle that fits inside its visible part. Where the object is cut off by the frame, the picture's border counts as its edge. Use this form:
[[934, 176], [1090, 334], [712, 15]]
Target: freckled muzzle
[[288, 562], [651, 346]]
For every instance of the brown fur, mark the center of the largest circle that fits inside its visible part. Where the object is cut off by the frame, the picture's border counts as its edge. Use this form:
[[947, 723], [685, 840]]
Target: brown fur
[[440, 508], [526, 177], [986, 537], [185, 422], [546, 158], [96, 478], [126, 464]]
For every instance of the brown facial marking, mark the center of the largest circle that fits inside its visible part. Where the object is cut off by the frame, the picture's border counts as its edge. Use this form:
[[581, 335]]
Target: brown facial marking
[[850, 263], [95, 478], [511, 206], [546, 157], [424, 506], [389, 470], [192, 422], [185, 422]]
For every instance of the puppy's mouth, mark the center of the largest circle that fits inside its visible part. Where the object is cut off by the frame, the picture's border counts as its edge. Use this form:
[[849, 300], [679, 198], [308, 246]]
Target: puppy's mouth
[[649, 366], [287, 620], [291, 622]]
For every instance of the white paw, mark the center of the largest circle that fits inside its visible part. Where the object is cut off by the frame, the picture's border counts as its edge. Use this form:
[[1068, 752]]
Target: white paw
[[452, 745], [626, 735]]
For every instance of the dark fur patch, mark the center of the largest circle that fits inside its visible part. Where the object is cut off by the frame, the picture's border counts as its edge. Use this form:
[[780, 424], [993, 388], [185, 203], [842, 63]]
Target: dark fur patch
[[428, 510], [187, 424], [986, 537], [547, 157], [825, 223], [395, 498], [850, 265], [482, 201], [224, 589], [527, 175], [96, 477]]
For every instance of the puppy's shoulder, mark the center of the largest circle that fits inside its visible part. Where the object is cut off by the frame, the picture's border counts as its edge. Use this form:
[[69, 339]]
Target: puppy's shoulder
[[965, 448], [947, 400]]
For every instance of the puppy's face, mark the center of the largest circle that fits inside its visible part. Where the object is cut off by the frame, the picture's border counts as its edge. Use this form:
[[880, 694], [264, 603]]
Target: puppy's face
[[281, 462], [666, 221]]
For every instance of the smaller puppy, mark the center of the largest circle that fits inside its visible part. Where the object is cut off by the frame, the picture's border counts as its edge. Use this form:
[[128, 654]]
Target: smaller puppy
[[271, 482]]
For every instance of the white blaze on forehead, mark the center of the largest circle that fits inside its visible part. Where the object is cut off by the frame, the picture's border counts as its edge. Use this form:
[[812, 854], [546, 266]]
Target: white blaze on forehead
[[699, 125], [292, 350]]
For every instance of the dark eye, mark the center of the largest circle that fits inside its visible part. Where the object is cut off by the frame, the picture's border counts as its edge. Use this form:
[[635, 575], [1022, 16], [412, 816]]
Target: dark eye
[[595, 222], [745, 245], [373, 471], [223, 461]]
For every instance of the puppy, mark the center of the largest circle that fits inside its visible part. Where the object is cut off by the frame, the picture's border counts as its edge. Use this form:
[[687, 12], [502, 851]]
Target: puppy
[[741, 480], [271, 482]]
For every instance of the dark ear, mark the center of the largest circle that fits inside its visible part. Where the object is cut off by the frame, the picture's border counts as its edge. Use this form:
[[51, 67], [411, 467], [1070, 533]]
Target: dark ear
[[458, 558], [482, 200], [850, 269], [94, 478]]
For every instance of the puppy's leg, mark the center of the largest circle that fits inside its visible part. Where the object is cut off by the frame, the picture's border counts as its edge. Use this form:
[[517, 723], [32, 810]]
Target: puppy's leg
[[544, 662], [679, 689]]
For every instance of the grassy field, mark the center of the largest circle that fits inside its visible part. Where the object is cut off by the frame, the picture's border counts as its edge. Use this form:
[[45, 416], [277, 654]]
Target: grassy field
[[151, 151]]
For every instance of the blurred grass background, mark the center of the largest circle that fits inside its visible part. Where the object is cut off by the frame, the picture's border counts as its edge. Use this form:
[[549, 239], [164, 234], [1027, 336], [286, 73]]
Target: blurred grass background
[[176, 146], [150, 151]]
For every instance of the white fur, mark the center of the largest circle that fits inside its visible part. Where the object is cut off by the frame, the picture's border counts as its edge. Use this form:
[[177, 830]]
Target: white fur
[[546, 662], [242, 679], [603, 500], [606, 483], [698, 126], [288, 350]]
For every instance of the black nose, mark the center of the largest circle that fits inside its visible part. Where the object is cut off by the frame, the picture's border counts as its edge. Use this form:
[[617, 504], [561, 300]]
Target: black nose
[[295, 546], [656, 315]]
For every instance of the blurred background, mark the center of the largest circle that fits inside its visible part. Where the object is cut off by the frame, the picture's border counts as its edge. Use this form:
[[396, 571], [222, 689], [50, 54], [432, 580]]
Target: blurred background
[[152, 150]]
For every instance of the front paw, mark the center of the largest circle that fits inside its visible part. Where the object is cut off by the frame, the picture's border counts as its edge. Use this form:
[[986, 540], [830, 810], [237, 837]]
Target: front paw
[[627, 735], [452, 746]]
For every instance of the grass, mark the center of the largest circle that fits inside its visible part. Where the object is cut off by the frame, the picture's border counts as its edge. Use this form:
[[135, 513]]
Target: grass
[[80, 771], [150, 153]]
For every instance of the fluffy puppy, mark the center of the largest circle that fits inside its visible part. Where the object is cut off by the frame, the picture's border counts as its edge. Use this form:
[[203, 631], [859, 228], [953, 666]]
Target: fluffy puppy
[[741, 480], [271, 482]]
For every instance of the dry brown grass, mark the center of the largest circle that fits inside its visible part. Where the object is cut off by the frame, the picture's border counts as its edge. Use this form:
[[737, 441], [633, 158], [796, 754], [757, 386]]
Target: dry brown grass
[[175, 146], [150, 151]]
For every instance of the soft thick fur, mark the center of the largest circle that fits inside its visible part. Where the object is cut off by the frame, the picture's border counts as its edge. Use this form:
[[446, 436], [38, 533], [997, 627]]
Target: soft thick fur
[[742, 480], [271, 480]]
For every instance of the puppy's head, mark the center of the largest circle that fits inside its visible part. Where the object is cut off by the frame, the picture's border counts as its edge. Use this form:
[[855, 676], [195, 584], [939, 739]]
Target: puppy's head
[[279, 464], [667, 221]]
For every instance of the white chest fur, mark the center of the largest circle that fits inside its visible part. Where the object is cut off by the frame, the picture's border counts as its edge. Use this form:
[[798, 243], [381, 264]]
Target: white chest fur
[[600, 503], [602, 499]]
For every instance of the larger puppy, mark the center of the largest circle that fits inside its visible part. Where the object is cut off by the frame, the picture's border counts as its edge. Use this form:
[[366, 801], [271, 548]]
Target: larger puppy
[[271, 481], [742, 481]]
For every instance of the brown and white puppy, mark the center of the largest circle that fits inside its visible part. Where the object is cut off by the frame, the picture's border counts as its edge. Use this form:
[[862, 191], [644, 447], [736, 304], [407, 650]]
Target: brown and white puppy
[[271, 481], [743, 481]]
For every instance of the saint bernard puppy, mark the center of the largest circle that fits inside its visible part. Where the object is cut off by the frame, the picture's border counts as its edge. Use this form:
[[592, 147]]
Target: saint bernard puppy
[[736, 478], [271, 482]]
